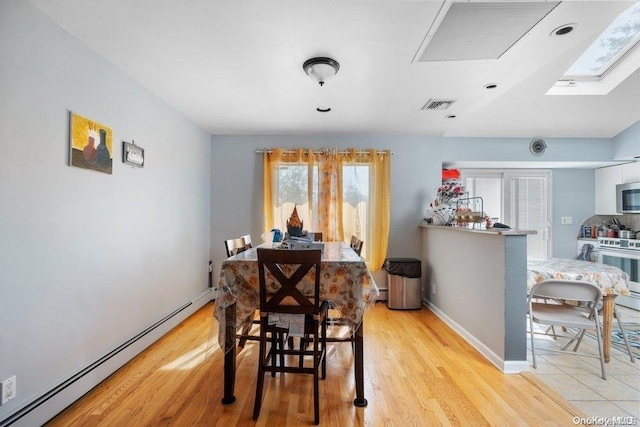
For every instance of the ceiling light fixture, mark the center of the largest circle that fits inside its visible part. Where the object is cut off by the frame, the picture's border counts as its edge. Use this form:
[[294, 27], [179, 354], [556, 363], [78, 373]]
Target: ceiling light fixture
[[491, 86], [321, 69], [323, 109]]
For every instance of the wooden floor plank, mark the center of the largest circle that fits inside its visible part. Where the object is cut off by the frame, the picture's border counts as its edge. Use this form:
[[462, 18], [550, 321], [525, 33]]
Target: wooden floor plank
[[418, 372]]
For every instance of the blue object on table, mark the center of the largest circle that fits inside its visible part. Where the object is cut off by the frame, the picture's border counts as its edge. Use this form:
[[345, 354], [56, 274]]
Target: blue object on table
[[277, 235]]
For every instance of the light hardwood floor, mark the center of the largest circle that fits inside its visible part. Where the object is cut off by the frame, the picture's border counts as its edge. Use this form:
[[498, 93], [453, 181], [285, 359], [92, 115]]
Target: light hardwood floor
[[418, 372]]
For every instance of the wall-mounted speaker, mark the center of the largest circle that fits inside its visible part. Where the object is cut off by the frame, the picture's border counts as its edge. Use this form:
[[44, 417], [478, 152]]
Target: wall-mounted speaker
[[537, 146]]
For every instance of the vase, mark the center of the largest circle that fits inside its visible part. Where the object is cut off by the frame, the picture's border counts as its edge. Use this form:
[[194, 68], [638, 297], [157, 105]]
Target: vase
[[102, 152], [442, 215], [294, 231]]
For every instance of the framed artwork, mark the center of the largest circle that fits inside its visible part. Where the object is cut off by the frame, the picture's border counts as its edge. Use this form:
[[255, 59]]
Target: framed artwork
[[90, 145], [132, 154]]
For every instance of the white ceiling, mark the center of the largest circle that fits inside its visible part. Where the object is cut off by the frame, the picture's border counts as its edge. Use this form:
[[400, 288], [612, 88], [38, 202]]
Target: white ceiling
[[235, 67]]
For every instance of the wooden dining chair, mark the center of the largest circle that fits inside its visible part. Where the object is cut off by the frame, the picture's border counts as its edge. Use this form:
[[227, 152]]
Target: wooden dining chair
[[281, 299], [356, 244], [568, 303]]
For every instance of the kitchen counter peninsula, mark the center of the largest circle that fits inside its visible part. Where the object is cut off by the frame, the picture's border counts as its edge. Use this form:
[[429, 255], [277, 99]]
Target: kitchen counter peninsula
[[476, 282]]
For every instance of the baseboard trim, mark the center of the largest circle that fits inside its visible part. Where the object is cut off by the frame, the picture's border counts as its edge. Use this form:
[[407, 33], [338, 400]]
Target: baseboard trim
[[505, 366], [58, 397]]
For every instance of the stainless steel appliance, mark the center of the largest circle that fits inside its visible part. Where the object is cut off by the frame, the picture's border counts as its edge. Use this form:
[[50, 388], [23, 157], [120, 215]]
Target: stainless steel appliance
[[628, 198], [624, 254]]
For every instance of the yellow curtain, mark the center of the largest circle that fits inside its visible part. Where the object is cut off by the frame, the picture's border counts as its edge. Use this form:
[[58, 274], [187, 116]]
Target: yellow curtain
[[327, 214], [329, 219], [379, 207], [270, 164]]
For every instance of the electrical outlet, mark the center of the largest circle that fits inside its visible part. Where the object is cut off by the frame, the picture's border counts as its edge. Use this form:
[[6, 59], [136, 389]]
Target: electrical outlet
[[8, 389], [433, 288]]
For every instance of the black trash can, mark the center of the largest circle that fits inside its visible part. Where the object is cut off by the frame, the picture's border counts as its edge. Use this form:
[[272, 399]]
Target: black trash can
[[403, 278]]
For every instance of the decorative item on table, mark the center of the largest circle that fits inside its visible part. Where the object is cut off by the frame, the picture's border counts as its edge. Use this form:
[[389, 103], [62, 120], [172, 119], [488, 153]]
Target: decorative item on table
[[294, 224], [275, 235], [442, 209], [267, 236], [441, 215], [449, 192], [470, 210], [301, 243]]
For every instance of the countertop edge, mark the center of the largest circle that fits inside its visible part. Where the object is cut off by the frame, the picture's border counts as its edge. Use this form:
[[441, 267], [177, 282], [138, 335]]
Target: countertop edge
[[483, 231]]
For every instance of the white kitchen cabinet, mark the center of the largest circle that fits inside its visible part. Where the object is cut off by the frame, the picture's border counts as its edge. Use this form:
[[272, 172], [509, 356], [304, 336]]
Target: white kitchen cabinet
[[606, 181], [630, 172]]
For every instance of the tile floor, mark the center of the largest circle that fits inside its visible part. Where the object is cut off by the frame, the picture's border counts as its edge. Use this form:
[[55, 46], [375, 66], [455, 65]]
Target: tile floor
[[577, 378]]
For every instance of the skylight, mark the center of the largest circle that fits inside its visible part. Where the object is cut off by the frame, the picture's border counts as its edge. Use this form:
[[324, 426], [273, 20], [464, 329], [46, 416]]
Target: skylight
[[618, 39]]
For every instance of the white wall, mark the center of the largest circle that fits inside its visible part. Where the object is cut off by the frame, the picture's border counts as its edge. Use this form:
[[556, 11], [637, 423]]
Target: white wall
[[88, 260]]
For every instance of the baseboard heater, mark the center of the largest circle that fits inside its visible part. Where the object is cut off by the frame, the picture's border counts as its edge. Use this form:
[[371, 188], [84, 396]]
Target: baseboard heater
[[69, 381]]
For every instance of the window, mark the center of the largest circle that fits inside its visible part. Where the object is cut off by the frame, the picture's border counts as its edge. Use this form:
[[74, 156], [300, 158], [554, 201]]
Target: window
[[618, 39], [293, 190], [519, 199], [292, 183], [338, 193], [355, 203]]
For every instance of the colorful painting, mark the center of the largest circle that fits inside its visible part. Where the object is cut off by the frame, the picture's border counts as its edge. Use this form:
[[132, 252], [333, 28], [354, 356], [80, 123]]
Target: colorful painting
[[91, 145]]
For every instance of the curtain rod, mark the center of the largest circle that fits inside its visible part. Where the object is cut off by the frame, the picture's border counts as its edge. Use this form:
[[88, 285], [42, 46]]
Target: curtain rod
[[382, 153]]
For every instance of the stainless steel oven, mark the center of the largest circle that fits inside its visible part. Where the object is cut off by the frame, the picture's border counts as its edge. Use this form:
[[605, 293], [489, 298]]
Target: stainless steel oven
[[624, 254]]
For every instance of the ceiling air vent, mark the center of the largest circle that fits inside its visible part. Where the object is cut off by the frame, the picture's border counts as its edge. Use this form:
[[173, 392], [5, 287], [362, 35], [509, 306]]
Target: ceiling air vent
[[480, 30], [438, 104]]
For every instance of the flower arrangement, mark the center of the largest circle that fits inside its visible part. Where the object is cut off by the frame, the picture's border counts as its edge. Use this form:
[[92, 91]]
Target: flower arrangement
[[448, 192], [442, 209]]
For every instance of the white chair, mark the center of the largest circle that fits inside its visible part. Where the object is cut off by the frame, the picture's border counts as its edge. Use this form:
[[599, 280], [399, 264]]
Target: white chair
[[624, 333], [567, 303], [235, 246], [247, 241]]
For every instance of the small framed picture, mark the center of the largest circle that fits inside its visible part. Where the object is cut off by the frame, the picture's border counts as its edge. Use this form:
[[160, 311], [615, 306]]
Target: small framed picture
[[90, 144], [132, 154]]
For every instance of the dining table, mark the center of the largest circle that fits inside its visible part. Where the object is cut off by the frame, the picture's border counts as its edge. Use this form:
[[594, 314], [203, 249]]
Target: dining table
[[611, 280], [345, 282]]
